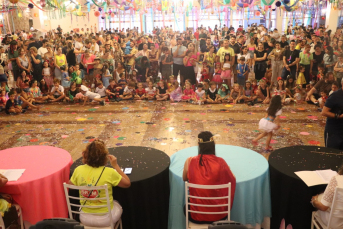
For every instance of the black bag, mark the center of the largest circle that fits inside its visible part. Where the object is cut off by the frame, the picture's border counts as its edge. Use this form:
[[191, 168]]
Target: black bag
[[11, 216], [226, 225], [57, 223]]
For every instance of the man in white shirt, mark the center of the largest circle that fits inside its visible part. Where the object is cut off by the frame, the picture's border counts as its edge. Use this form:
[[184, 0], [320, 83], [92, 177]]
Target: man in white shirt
[[42, 50], [276, 35], [95, 46], [24, 35], [78, 47]]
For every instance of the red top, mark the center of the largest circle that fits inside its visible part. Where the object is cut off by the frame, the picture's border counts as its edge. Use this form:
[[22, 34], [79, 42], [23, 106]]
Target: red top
[[196, 34], [214, 171], [142, 92]]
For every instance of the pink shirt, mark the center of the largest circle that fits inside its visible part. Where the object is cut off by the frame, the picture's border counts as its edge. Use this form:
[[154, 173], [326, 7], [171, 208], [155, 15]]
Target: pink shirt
[[89, 60]]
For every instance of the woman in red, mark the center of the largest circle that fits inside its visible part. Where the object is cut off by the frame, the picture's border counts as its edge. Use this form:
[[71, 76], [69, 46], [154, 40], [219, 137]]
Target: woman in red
[[208, 169]]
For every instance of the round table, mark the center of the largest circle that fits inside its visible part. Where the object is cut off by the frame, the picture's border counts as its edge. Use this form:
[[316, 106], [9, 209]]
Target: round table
[[290, 195], [145, 204], [39, 191], [252, 197]]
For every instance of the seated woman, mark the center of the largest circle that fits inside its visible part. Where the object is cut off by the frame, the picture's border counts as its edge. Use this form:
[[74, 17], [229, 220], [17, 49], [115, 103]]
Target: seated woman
[[208, 169], [95, 157], [323, 202]]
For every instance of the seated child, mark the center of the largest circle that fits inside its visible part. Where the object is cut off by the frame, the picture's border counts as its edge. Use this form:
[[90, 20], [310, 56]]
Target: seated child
[[72, 92], [323, 98], [162, 93], [170, 84], [236, 94], [57, 92], [188, 93], [248, 93], [212, 93], [200, 94], [36, 92], [223, 93], [112, 91], [296, 97], [176, 94], [129, 91], [334, 87], [150, 91], [44, 88], [12, 106], [101, 90], [140, 92], [122, 82], [94, 97], [3, 99]]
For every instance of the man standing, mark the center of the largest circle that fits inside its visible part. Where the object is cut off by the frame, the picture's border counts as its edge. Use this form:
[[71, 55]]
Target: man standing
[[95, 46], [42, 50], [226, 50], [237, 49], [333, 110], [202, 38], [290, 61], [178, 55]]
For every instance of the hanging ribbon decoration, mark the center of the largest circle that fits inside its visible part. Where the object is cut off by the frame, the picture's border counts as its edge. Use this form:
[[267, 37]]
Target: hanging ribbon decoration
[[268, 2]]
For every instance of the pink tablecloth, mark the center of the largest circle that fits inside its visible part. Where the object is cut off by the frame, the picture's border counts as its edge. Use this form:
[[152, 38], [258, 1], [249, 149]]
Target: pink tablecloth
[[39, 191]]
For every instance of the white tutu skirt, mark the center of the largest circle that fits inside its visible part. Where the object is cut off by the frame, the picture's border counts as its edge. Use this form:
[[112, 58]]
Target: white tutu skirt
[[267, 126]]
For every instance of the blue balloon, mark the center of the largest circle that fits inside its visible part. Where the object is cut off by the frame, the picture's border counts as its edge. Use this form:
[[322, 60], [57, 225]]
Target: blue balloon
[[126, 7]]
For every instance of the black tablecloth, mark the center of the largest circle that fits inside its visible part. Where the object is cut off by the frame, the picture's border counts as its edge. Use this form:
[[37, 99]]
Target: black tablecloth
[[145, 204], [290, 195]]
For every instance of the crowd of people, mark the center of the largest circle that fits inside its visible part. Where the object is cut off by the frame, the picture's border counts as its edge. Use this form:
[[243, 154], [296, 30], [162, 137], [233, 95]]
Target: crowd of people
[[208, 65]]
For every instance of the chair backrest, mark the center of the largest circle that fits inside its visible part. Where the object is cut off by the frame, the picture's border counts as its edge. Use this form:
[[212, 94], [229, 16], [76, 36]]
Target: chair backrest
[[88, 189], [197, 186], [337, 206]]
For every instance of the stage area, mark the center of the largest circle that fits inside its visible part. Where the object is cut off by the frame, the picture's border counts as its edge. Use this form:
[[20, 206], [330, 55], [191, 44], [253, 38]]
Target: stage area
[[161, 125]]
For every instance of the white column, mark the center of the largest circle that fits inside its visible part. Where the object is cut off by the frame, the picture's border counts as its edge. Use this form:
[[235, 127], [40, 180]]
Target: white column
[[279, 19], [331, 18]]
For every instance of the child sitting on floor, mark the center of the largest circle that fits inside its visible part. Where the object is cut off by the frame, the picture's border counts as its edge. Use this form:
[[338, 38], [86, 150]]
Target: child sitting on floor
[[200, 94], [57, 92], [162, 93], [150, 91], [188, 93], [101, 90], [223, 93], [140, 92], [176, 94], [129, 91], [212, 93], [12, 106]]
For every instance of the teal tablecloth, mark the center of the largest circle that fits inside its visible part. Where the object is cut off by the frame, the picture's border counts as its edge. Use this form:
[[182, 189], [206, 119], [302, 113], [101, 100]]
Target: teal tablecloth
[[252, 197]]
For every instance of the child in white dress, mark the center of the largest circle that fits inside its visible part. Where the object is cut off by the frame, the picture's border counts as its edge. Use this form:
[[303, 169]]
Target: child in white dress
[[270, 122]]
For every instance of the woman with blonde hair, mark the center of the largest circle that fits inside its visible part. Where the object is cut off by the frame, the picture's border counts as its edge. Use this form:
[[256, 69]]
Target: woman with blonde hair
[[94, 171]]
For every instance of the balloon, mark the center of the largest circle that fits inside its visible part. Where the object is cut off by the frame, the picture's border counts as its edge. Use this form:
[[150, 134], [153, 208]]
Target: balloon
[[77, 7], [42, 3], [278, 3], [112, 14], [20, 15], [258, 13], [159, 8], [240, 4], [102, 17], [30, 5], [14, 1], [126, 7], [245, 5], [323, 18], [266, 8], [35, 15], [100, 9], [285, 1], [96, 13], [1, 25]]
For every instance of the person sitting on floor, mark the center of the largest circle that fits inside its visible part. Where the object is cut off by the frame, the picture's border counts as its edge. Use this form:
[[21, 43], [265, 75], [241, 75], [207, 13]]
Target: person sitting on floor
[[95, 157], [208, 169], [323, 201]]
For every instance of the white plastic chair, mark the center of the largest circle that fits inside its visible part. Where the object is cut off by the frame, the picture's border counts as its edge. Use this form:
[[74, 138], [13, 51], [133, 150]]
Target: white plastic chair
[[336, 211], [90, 188], [196, 186], [20, 215]]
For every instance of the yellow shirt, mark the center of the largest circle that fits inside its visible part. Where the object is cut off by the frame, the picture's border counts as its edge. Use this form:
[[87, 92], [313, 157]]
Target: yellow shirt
[[132, 59], [60, 60], [85, 175], [222, 51]]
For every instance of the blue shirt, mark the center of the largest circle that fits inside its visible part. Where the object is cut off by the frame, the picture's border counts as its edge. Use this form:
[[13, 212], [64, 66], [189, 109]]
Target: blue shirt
[[242, 68]]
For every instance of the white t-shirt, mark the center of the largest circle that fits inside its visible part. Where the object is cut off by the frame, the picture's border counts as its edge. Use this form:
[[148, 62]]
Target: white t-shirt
[[101, 91], [247, 57], [92, 95], [150, 91], [127, 90], [60, 88], [42, 51], [96, 47], [200, 94], [78, 45]]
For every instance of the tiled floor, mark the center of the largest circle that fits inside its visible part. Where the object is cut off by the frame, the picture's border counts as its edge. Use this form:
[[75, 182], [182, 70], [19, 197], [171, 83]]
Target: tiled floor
[[161, 125]]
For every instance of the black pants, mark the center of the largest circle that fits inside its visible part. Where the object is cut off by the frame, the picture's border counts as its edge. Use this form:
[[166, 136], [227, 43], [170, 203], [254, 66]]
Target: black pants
[[333, 140], [285, 72], [178, 68]]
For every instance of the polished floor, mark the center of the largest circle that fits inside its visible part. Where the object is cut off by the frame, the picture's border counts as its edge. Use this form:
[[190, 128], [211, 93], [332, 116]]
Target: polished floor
[[166, 126]]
